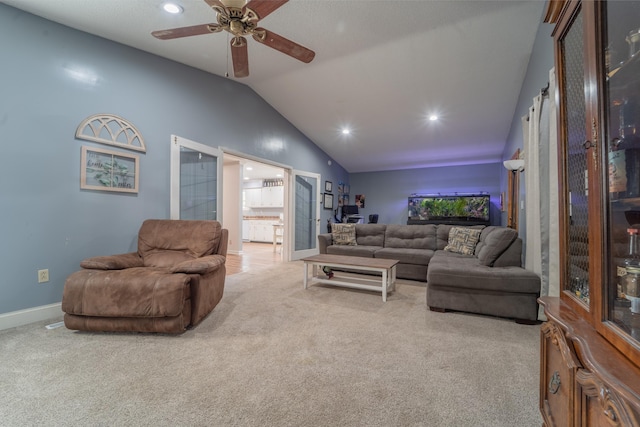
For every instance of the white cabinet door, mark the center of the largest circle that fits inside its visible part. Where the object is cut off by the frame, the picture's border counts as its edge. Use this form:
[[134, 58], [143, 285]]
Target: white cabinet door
[[275, 196], [259, 231], [245, 230], [253, 197]]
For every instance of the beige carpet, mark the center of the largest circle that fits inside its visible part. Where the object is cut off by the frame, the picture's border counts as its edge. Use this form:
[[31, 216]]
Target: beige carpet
[[273, 354]]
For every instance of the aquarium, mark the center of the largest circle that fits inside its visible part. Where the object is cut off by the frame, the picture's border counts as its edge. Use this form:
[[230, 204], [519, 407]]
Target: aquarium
[[450, 209]]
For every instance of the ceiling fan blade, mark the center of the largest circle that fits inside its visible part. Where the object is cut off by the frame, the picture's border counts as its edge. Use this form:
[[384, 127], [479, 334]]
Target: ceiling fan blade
[[284, 45], [194, 30], [239, 57], [215, 4], [262, 8]]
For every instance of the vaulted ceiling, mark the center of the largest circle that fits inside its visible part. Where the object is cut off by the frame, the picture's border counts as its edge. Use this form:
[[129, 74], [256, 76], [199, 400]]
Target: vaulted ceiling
[[381, 68]]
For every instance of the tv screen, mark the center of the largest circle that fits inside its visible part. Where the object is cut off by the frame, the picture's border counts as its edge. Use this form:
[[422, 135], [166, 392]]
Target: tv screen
[[350, 210]]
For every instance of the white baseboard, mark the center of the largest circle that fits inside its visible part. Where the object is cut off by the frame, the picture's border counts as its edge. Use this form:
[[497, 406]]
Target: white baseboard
[[30, 315]]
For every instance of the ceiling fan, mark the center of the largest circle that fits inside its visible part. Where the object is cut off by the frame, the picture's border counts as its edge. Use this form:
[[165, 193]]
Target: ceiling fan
[[240, 18]]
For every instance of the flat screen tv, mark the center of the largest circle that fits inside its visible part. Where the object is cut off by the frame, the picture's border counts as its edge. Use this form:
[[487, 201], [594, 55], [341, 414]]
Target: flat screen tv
[[454, 209], [349, 210]]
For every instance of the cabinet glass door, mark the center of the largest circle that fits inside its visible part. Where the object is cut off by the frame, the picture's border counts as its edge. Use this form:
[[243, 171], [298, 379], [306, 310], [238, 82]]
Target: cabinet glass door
[[621, 55], [306, 215], [575, 269]]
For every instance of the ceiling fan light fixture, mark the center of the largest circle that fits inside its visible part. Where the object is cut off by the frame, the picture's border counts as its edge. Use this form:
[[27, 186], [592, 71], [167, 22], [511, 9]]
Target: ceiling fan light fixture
[[240, 21], [172, 8]]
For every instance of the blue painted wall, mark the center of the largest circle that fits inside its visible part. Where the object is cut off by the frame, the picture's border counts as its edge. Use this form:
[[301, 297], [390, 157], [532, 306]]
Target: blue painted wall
[[386, 193], [53, 77]]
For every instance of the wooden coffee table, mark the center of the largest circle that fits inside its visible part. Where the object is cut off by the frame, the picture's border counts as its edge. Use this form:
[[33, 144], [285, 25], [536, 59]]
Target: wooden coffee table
[[385, 284]]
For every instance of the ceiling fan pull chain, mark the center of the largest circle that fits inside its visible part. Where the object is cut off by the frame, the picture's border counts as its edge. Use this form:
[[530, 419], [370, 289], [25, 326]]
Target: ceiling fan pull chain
[[226, 74]]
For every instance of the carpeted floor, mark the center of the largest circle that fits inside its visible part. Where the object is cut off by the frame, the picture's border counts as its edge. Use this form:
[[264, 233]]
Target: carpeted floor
[[274, 354]]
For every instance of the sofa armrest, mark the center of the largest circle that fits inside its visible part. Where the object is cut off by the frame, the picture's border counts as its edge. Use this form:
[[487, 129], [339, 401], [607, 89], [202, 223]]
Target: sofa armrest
[[113, 262], [324, 240], [205, 264]]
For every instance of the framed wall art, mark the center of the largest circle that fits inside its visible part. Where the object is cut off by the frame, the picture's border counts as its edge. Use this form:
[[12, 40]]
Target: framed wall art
[[327, 200], [328, 186], [107, 170]]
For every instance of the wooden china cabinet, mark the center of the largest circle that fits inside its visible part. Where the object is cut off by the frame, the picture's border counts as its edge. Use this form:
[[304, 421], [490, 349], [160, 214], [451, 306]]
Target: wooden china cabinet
[[590, 345]]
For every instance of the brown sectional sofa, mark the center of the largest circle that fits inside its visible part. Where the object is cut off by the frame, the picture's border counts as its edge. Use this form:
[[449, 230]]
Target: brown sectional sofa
[[490, 281]]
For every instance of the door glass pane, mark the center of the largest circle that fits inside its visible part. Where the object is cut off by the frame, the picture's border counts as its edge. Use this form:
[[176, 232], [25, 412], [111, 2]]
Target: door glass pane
[[576, 280], [198, 185], [305, 212], [576, 274], [622, 90]]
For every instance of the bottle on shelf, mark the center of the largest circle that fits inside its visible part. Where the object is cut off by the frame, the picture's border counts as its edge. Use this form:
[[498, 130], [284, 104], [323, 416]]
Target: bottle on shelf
[[630, 273]]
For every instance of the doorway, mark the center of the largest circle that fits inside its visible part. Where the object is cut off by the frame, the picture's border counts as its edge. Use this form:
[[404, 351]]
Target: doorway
[[255, 195]]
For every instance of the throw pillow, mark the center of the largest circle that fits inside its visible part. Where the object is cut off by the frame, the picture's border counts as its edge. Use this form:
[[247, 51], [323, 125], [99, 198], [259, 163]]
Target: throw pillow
[[462, 240], [343, 234]]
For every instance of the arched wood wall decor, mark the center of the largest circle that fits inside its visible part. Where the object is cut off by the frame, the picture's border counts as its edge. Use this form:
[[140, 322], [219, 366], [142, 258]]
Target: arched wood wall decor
[[111, 130]]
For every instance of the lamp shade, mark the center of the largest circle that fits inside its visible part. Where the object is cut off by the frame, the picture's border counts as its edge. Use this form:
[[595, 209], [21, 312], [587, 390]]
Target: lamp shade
[[514, 164]]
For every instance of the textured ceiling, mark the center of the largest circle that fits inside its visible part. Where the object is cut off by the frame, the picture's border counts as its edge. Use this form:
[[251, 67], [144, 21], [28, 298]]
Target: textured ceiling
[[381, 67]]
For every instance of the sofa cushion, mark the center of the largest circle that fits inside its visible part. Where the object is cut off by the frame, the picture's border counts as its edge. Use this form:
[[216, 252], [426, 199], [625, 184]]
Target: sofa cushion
[[410, 236], [406, 256], [165, 258], [494, 241], [134, 292], [344, 234], [162, 243], [358, 250], [370, 234], [465, 272], [462, 240]]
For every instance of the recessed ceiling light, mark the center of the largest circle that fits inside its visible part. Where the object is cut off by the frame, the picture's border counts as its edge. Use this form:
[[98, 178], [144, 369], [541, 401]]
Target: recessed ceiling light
[[346, 131], [249, 168], [172, 8], [433, 117]]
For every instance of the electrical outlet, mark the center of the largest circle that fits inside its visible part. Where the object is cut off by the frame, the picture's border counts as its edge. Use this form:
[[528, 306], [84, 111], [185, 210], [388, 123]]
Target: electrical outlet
[[43, 275]]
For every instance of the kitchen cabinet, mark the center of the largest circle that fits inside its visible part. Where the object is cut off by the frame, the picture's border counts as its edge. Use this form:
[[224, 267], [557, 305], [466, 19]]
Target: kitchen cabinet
[[258, 230], [264, 197]]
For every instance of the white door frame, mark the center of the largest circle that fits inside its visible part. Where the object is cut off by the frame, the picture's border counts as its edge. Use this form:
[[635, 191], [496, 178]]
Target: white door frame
[[174, 188]]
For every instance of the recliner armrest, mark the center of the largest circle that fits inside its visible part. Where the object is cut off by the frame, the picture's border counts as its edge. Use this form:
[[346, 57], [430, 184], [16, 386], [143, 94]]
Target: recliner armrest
[[113, 262], [205, 264]]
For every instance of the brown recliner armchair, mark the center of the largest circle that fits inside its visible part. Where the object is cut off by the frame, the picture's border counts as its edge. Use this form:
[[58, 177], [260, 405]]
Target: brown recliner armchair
[[172, 282]]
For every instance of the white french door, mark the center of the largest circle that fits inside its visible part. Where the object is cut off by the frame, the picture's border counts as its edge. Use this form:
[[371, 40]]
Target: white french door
[[306, 214], [196, 180]]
